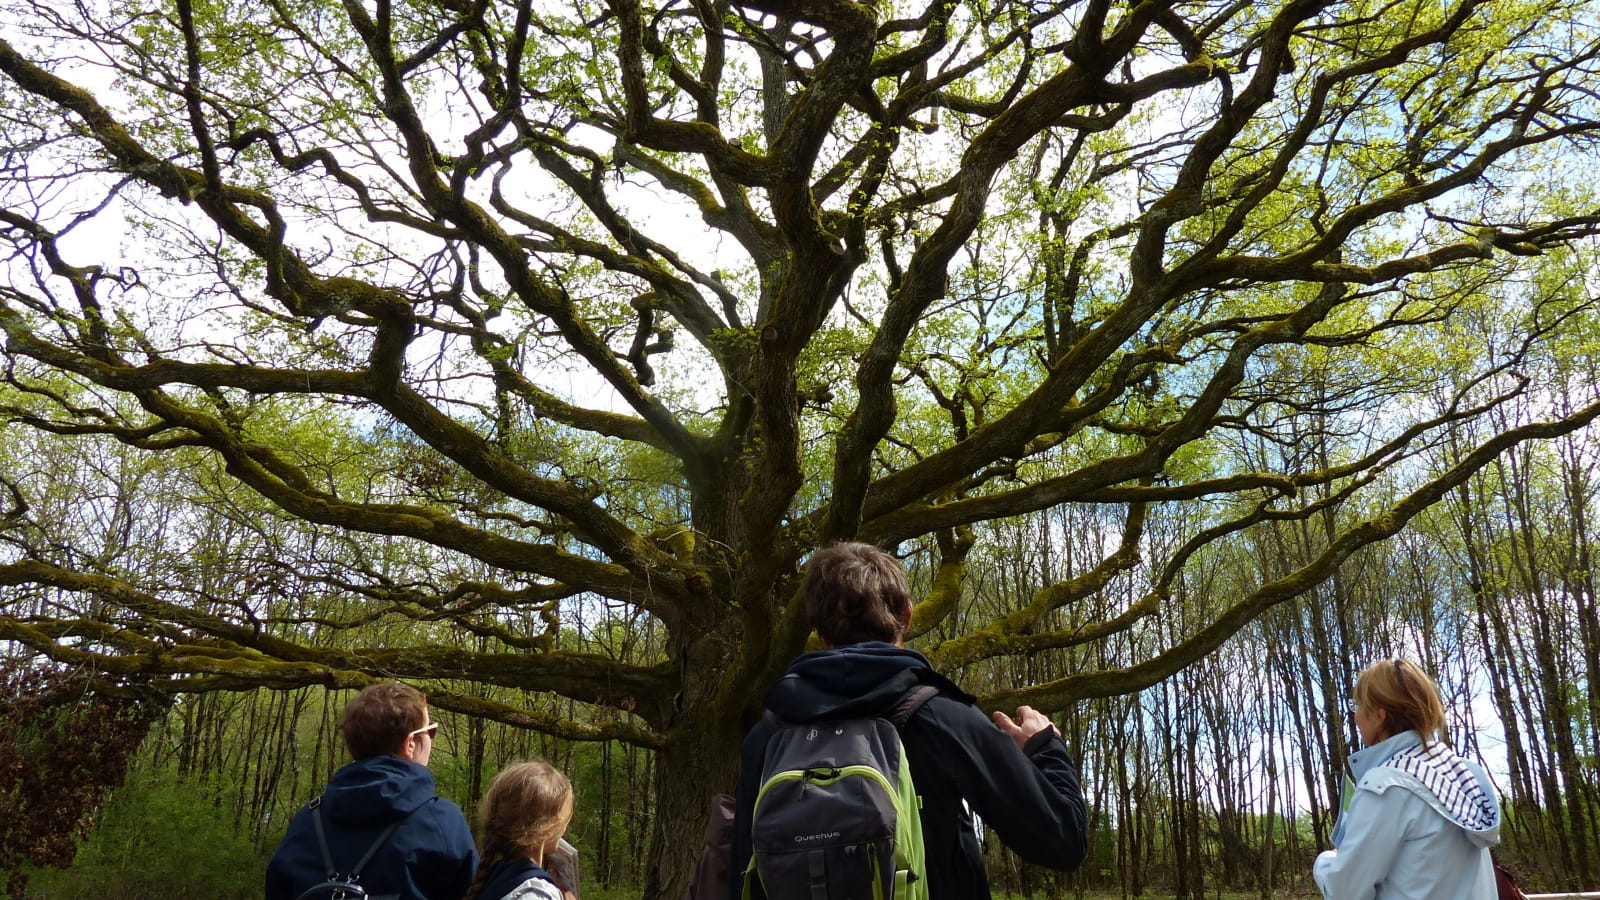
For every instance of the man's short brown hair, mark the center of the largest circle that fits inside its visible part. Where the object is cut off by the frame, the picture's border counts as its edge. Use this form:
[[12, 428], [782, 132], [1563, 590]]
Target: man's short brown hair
[[377, 721], [856, 592]]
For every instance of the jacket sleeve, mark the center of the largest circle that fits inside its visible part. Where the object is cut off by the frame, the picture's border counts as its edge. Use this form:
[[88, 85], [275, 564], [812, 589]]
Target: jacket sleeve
[[277, 887], [1374, 831], [280, 881], [466, 866], [1030, 797], [452, 857]]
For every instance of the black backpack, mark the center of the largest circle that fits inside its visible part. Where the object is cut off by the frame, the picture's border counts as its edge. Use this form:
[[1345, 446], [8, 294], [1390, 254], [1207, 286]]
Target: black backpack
[[347, 886], [837, 816]]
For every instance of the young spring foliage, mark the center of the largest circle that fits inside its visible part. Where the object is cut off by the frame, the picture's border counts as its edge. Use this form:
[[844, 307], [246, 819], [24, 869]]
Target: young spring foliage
[[476, 318]]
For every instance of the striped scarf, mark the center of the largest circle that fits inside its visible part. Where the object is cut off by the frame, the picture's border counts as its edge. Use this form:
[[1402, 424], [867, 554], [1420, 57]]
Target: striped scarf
[[1447, 776]]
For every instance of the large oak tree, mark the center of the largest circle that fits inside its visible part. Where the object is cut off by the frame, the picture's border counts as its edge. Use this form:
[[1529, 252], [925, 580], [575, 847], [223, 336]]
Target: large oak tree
[[548, 311]]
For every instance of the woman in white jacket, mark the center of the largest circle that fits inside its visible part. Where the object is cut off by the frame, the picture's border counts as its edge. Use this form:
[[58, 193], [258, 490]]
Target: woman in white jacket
[[1417, 820]]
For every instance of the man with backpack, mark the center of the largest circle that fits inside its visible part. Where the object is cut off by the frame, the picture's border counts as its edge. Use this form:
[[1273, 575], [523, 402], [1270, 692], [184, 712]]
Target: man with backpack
[[378, 830], [826, 757]]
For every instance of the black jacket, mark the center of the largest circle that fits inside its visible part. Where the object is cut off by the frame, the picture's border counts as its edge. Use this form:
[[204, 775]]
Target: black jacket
[[1030, 797], [430, 856]]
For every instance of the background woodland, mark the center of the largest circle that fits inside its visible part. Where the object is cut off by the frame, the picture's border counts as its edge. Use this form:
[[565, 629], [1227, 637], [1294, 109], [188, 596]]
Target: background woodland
[[1217, 779], [1191, 353]]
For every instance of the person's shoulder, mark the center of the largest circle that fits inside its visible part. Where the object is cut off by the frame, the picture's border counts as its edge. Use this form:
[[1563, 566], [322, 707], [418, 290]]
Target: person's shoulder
[[300, 825], [302, 814], [951, 718], [947, 688], [1383, 779], [1379, 774], [758, 735], [953, 707], [535, 888], [445, 807], [445, 817]]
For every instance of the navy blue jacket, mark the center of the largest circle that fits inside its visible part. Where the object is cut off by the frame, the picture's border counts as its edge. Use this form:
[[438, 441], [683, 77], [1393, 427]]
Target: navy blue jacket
[[1030, 797], [507, 875], [430, 856]]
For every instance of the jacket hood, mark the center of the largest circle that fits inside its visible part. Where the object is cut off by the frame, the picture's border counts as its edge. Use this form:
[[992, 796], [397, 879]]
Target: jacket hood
[[377, 789], [1455, 787], [853, 681], [507, 874]]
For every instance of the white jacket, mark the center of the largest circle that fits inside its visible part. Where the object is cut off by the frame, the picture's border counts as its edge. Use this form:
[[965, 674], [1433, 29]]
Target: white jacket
[[1398, 840]]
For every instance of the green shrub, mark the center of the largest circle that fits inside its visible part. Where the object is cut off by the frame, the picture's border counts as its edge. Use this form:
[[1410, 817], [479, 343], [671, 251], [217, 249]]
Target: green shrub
[[158, 838]]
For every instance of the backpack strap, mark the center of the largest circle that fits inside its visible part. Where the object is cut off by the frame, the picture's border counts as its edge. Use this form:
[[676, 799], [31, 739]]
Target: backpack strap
[[327, 855], [322, 838], [909, 703], [383, 838]]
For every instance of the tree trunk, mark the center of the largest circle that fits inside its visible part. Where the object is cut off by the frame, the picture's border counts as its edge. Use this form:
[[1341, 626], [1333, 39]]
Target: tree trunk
[[689, 772], [699, 759]]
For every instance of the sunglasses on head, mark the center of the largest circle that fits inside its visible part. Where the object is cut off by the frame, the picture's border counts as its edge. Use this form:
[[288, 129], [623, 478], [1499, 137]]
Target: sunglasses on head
[[431, 730]]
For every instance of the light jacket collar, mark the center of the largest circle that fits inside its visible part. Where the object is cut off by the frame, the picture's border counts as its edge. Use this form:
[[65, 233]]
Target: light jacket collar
[[1363, 760], [1380, 753]]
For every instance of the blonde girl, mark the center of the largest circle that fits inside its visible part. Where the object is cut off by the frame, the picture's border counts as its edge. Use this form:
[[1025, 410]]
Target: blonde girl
[[523, 817]]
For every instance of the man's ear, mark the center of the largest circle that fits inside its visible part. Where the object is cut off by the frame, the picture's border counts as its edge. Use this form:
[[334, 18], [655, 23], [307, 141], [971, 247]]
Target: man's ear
[[905, 620]]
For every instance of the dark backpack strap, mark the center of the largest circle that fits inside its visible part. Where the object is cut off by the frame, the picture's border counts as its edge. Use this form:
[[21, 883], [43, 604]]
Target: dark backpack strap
[[383, 838], [909, 703], [322, 838], [327, 855], [818, 865]]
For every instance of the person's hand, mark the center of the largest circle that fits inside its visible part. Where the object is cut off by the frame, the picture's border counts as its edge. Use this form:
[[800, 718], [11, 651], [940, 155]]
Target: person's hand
[[1029, 722]]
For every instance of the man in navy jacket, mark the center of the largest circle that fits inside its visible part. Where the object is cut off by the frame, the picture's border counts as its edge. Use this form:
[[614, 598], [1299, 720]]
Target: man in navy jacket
[[428, 856], [1015, 774]]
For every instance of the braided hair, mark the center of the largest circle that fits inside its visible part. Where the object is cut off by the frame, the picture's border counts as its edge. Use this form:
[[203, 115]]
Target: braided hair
[[527, 807]]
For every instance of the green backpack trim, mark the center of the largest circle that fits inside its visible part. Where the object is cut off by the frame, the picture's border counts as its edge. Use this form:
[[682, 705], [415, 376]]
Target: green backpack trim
[[845, 762]]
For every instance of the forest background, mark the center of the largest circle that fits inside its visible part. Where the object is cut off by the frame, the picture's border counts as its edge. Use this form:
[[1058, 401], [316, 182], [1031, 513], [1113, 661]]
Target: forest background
[[1191, 354]]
